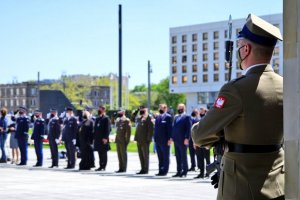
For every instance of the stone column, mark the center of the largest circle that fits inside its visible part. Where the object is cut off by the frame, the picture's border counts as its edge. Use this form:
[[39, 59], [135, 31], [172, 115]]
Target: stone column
[[291, 68]]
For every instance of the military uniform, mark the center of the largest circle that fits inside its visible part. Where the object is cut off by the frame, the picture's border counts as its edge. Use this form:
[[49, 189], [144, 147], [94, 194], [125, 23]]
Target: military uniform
[[22, 129], [122, 140], [250, 110], [38, 136], [143, 137], [54, 131]]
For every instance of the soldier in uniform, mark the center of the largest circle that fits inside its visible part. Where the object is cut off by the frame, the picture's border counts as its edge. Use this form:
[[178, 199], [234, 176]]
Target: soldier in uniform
[[162, 138], [38, 136], [69, 135], [102, 129], [181, 134], [22, 129], [123, 126], [54, 131], [250, 111]]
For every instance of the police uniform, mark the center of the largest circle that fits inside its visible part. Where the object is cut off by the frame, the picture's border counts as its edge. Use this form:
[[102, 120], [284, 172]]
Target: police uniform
[[54, 131], [250, 110], [122, 140], [22, 128], [38, 136], [143, 137], [69, 135]]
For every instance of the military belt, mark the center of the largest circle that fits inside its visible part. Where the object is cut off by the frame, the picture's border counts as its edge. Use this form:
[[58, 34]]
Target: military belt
[[246, 148]]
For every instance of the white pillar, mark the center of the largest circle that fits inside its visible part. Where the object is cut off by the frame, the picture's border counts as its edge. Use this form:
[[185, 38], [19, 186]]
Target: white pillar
[[291, 30]]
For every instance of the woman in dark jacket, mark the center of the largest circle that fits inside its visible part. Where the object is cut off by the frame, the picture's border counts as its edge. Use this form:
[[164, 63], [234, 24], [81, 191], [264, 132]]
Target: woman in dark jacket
[[85, 137]]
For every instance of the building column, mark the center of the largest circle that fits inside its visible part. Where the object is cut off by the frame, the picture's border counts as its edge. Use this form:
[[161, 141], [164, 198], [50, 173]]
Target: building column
[[291, 42]]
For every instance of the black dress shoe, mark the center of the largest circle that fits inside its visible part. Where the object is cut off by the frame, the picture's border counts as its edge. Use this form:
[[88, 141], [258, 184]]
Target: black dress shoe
[[21, 164], [161, 174], [69, 167], [177, 175], [199, 176], [100, 169], [192, 169], [142, 172], [120, 171], [2, 161], [183, 175], [37, 166]]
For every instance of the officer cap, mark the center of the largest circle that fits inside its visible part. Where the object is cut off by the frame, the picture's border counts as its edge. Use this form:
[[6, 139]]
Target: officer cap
[[22, 109], [259, 31], [69, 109], [53, 110]]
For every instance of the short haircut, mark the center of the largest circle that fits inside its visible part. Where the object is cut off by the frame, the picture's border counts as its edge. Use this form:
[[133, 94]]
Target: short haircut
[[102, 107]]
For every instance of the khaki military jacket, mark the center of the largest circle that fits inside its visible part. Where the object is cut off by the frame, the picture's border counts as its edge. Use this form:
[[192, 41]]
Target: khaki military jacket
[[250, 111], [123, 126]]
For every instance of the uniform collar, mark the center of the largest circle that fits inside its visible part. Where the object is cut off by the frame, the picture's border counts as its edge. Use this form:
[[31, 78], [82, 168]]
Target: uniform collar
[[258, 68]]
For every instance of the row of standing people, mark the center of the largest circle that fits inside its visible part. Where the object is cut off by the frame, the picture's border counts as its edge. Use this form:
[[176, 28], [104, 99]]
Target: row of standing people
[[93, 135]]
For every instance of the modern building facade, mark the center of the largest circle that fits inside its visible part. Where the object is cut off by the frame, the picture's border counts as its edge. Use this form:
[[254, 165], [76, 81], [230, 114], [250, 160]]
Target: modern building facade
[[26, 94], [197, 59], [99, 95]]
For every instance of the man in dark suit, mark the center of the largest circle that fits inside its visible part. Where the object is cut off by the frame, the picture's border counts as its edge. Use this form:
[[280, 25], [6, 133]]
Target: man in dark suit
[[162, 138], [38, 136], [22, 134], [102, 129], [54, 129], [69, 136], [181, 134], [195, 118]]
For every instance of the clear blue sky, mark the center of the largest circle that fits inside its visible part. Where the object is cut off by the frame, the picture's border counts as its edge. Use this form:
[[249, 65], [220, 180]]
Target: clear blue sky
[[81, 36]]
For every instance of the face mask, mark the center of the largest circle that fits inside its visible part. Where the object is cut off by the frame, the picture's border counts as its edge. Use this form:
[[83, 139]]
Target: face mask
[[13, 118], [100, 112], [37, 116], [240, 60], [68, 115], [142, 112], [193, 114], [84, 117], [52, 115], [21, 113], [161, 111], [120, 115], [180, 111], [202, 115]]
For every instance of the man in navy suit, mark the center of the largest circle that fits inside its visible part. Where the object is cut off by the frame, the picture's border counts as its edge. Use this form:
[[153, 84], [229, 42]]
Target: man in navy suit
[[181, 134], [38, 136], [195, 118], [162, 138]]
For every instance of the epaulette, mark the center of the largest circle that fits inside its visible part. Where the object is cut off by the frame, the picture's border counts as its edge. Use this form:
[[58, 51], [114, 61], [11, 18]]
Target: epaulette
[[237, 79]]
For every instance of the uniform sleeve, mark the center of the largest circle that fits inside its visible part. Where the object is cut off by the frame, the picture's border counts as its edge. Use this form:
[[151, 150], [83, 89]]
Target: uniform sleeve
[[207, 131], [128, 131], [150, 129]]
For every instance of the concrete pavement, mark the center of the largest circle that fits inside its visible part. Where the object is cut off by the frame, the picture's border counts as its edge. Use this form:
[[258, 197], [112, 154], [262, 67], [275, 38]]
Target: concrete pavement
[[43, 183]]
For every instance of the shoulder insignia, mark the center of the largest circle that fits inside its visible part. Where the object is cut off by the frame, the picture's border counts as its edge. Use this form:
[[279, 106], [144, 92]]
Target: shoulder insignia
[[220, 102]]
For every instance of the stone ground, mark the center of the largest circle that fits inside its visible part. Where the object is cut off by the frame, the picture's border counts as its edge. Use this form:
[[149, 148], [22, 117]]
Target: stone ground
[[26, 182]]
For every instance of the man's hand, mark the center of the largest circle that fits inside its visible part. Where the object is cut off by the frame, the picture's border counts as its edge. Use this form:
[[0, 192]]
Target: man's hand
[[74, 142], [215, 180], [170, 141], [57, 141], [186, 142], [104, 141]]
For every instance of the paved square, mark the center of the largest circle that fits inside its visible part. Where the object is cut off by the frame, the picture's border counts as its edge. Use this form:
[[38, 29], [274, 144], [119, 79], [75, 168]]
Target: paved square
[[24, 183]]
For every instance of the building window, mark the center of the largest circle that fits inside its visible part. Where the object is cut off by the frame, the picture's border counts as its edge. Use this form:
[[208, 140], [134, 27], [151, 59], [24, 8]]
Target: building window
[[205, 78], [24, 92], [194, 48], [204, 46], [205, 57], [184, 38], [226, 77], [238, 74], [226, 66], [183, 48], [5, 103], [17, 102], [216, 56], [174, 60], [205, 67], [216, 77], [184, 79], [216, 66], [174, 70], [225, 34], [276, 65], [194, 37], [276, 51], [11, 92], [184, 59], [174, 39], [174, 79], [184, 69], [204, 36], [11, 102], [174, 50], [216, 45], [194, 68], [24, 102], [194, 78], [216, 34], [194, 57], [33, 91]]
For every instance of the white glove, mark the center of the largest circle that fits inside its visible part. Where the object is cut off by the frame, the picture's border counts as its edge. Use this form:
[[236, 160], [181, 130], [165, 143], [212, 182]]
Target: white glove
[[74, 141], [45, 136], [57, 141]]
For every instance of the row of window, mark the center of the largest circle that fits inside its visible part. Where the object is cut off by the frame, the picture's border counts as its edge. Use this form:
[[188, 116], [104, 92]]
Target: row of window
[[17, 91], [216, 35], [195, 58], [16, 102], [195, 68], [184, 78]]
